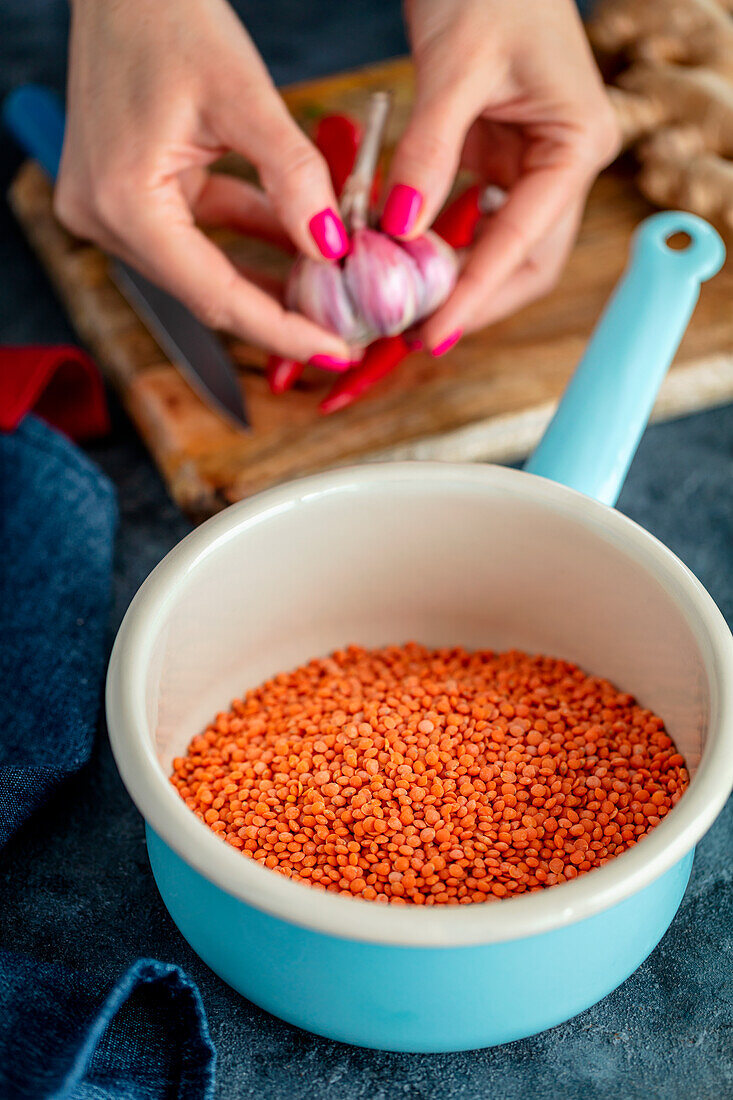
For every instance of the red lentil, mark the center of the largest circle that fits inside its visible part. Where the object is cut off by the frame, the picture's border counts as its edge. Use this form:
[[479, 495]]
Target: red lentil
[[408, 775]]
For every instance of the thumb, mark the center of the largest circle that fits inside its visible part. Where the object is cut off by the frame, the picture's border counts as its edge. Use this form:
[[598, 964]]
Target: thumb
[[424, 166]]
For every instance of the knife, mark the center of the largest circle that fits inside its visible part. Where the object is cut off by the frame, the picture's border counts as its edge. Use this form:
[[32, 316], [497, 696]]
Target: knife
[[35, 117]]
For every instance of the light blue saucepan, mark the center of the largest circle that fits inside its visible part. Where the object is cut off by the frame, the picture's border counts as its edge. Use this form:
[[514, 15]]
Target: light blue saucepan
[[443, 553]]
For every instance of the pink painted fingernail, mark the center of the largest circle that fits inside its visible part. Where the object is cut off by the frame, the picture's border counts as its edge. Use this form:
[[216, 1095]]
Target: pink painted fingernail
[[329, 233], [329, 362], [447, 344], [401, 209]]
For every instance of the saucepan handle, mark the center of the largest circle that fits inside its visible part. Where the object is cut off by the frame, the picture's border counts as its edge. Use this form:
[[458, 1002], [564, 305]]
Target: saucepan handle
[[35, 117], [596, 429]]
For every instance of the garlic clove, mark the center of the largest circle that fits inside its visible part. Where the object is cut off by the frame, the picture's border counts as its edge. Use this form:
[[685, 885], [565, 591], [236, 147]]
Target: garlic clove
[[383, 282], [318, 290], [437, 264]]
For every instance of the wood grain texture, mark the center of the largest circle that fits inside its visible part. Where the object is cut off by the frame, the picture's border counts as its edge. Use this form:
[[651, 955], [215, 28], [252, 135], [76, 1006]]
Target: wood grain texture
[[489, 398]]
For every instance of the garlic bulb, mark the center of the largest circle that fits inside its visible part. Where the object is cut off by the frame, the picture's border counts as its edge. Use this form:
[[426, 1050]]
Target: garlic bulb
[[438, 268], [319, 291], [380, 289], [382, 286]]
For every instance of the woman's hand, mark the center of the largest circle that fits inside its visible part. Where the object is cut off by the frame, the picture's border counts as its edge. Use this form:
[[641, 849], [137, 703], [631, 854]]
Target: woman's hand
[[511, 92], [157, 91]]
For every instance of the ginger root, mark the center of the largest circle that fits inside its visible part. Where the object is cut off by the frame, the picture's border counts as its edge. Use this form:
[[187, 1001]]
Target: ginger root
[[674, 100], [685, 32], [704, 185], [650, 96]]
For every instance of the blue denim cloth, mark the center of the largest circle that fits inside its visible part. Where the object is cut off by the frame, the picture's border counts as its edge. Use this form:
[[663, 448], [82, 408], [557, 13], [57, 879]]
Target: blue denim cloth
[[65, 1037], [57, 524], [63, 1034]]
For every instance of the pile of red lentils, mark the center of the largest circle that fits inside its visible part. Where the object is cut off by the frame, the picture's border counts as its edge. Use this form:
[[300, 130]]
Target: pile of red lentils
[[432, 777]]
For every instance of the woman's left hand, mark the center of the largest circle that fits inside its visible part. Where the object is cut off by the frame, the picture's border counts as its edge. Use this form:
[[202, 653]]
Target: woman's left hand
[[511, 92]]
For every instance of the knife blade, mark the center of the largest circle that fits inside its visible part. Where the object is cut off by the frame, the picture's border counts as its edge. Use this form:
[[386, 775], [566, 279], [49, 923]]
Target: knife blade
[[188, 344], [35, 117]]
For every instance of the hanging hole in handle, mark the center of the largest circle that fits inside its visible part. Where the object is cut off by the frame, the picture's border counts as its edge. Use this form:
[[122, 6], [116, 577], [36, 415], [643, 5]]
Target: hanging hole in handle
[[697, 250], [678, 241]]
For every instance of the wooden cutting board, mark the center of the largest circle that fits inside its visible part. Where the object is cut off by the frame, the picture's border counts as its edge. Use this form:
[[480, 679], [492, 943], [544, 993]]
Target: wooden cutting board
[[489, 398]]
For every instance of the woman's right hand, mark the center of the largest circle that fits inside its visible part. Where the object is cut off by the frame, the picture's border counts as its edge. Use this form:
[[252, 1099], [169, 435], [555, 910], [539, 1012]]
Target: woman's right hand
[[158, 90]]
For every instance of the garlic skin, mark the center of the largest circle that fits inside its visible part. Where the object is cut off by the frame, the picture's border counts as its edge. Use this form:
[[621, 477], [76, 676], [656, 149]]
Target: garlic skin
[[318, 290], [437, 264], [381, 288], [383, 282]]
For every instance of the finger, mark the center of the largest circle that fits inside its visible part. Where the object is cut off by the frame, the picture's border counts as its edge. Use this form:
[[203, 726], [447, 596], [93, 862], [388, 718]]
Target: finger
[[265, 281], [165, 245], [226, 201], [494, 151], [536, 277], [292, 171], [508, 238], [424, 166]]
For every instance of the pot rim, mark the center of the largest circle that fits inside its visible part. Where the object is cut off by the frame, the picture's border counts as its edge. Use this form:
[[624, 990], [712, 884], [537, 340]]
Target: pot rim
[[439, 926]]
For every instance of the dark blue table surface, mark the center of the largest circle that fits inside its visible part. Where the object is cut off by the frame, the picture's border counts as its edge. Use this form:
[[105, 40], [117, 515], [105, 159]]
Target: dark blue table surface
[[75, 883]]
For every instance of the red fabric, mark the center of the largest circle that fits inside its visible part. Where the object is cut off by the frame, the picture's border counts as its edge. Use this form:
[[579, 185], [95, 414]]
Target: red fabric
[[61, 384]]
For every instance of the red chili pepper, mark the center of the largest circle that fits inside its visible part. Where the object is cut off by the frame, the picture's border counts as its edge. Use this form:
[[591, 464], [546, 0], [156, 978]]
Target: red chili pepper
[[337, 137], [457, 223], [380, 359], [282, 374]]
